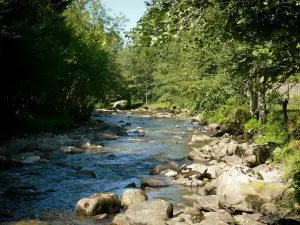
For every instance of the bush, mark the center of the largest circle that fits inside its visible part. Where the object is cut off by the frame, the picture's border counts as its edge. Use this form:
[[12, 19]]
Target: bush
[[274, 130], [296, 186]]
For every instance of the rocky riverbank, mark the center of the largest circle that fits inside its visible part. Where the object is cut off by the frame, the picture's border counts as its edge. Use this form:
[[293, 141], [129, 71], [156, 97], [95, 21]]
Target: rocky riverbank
[[231, 188], [228, 181]]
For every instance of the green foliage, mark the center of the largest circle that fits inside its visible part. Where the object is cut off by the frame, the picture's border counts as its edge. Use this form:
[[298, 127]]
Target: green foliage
[[274, 130], [296, 185], [56, 58]]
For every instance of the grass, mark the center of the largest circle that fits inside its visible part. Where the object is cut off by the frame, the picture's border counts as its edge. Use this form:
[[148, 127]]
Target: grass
[[159, 105]]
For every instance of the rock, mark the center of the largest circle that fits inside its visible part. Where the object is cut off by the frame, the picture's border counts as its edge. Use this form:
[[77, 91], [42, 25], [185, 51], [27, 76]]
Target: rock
[[206, 203], [105, 136], [130, 197], [98, 204], [168, 165], [220, 217], [213, 162], [230, 189], [182, 219], [250, 161], [191, 197], [120, 104], [168, 173], [138, 131], [221, 153], [232, 160], [191, 211], [199, 156], [153, 182], [214, 127], [268, 208], [249, 219], [89, 173], [6, 213], [131, 185], [188, 183], [72, 150], [177, 126], [30, 160], [100, 216], [200, 139], [86, 145], [116, 129], [152, 212], [209, 189]]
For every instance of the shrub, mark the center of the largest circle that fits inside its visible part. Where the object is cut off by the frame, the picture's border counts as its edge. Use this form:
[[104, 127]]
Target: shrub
[[296, 186], [274, 130]]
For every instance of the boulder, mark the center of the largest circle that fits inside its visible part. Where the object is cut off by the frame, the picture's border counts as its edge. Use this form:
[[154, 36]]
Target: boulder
[[72, 150], [30, 160], [249, 219], [105, 136], [120, 104], [153, 182], [168, 173], [116, 129], [214, 127], [200, 139], [199, 156], [164, 166], [98, 204], [268, 208], [130, 197], [230, 189], [250, 161], [207, 203], [232, 160], [152, 212], [220, 217]]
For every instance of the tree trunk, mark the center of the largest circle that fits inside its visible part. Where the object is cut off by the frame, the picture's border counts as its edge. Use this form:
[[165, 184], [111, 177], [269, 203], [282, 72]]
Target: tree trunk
[[253, 96], [262, 99], [285, 102]]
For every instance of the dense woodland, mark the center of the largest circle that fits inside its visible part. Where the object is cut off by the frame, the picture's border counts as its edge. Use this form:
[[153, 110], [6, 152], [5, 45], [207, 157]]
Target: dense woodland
[[222, 59]]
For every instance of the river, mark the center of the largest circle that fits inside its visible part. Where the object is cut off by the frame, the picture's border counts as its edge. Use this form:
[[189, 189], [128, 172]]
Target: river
[[124, 161]]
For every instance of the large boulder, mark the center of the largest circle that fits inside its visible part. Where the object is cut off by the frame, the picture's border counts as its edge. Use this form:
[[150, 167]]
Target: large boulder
[[198, 156], [200, 139], [120, 104], [230, 188], [153, 182], [206, 203], [130, 197], [220, 217], [164, 166], [152, 212], [98, 204]]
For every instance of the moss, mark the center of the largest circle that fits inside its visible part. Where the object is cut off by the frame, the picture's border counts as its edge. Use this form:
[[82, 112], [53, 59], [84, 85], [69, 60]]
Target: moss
[[254, 201]]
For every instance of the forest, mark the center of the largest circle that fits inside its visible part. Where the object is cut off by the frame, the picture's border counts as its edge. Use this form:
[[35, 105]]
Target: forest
[[223, 60]]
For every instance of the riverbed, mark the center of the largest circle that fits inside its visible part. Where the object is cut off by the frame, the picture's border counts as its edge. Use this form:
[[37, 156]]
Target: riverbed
[[123, 161]]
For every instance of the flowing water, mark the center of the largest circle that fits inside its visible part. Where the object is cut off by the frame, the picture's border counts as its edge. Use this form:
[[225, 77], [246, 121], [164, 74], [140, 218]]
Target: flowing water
[[125, 160]]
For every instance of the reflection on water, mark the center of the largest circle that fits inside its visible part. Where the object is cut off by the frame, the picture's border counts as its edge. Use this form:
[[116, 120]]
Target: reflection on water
[[59, 188]]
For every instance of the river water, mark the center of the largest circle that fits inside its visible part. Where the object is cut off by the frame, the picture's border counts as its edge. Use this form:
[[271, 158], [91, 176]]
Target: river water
[[59, 188]]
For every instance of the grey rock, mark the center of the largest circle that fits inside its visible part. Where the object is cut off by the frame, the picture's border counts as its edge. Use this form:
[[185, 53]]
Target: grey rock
[[130, 197], [98, 204]]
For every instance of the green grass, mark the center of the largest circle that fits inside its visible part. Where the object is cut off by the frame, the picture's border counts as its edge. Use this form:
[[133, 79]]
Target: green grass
[[159, 105]]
